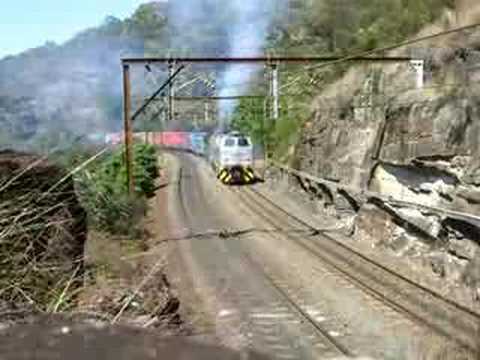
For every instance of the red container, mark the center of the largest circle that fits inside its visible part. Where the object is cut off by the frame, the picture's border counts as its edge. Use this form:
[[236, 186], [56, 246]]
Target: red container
[[157, 138], [176, 139]]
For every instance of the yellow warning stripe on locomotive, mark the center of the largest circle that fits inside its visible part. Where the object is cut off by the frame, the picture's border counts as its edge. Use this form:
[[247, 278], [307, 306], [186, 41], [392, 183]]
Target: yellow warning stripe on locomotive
[[222, 175], [225, 175]]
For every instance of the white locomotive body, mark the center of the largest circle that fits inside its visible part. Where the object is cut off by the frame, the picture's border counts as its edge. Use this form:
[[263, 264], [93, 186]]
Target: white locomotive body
[[231, 156]]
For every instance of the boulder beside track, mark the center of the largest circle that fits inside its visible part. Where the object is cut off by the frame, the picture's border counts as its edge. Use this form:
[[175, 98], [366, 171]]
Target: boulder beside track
[[42, 233]]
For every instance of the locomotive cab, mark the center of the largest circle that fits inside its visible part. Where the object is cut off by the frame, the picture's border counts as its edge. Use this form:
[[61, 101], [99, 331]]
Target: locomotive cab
[[234, 158]]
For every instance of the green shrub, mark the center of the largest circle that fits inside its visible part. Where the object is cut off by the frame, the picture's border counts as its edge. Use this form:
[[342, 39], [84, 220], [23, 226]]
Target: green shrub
[[145, 169], [104, 191]]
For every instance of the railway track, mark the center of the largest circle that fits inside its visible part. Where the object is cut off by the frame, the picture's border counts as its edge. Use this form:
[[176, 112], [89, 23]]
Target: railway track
[[303, 315], [420, 304], [257, 306]]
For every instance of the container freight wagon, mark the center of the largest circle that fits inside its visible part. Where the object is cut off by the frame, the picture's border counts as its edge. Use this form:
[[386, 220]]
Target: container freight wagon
[[195, 142], [198, 143], [175, 140], [137, 137]]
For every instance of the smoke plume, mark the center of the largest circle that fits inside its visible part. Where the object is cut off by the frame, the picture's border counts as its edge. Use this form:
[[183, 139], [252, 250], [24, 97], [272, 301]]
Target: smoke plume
[[76, 87], [247, 36], [241, 30]]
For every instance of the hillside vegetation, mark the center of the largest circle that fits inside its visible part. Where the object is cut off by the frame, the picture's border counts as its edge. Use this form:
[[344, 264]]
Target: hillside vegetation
[[76, 87], [334, 28]]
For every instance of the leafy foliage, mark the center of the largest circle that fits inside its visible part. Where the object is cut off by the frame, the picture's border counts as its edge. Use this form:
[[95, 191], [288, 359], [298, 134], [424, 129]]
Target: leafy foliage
[[330, 27], [339, 26], [18, 118], [276, 136], [249, 118], [104, 190]]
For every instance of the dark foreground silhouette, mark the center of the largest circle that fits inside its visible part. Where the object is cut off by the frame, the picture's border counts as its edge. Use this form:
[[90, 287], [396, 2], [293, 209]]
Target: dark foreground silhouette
[[59, 339]]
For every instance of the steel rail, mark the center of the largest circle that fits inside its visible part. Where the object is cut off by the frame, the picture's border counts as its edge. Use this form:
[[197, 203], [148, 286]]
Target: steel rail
[[294, 309], [366, 258], [315, 248], [302, 313]]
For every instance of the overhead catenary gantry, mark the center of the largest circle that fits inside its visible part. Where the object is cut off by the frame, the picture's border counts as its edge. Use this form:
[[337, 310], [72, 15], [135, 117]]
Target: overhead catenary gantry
[[272, 61], [176, 64], [326, 60]]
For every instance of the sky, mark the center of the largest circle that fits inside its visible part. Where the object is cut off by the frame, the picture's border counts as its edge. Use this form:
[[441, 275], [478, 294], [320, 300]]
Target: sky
[[25, 24]]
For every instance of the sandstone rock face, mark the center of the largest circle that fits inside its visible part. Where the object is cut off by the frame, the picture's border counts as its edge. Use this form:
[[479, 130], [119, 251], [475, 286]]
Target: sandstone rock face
[[381, 135], [42, 230], [375, 225]]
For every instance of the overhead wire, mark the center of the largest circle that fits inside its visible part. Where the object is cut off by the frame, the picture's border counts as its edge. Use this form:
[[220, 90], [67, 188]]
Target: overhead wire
[[383, 49], [157, 107]]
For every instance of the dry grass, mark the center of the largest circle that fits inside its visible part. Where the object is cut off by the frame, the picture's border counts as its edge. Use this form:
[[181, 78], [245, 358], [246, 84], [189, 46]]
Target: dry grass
[[41, 242], [42, 233], [124, 286], [109, 282], [34, 271]]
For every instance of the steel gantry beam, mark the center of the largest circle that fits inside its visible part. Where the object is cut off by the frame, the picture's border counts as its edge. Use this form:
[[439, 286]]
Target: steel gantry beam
[[214, 98], [262, 59]]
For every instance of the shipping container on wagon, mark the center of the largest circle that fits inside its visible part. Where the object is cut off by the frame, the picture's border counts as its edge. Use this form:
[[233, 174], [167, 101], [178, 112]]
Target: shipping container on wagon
[[198, 143], [119, 138], [176, 140], [140, 137], [156, 138]]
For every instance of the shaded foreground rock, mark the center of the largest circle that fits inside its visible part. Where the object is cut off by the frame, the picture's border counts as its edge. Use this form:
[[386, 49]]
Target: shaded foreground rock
[[42, 232], [57, 338]]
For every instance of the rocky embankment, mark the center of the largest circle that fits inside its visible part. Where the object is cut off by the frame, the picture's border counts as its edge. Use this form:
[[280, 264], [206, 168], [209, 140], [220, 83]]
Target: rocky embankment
[[407, 159]]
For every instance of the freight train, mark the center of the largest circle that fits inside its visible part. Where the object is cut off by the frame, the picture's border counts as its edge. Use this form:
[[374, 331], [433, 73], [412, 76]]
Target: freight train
[[195, 142], [230, 154]]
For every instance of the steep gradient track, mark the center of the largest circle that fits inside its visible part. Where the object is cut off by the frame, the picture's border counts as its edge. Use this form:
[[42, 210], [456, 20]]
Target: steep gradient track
[[262, 313], [420, 304]]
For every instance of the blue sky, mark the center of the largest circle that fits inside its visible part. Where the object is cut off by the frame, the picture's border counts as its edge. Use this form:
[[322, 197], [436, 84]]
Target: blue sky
[[29, 23]]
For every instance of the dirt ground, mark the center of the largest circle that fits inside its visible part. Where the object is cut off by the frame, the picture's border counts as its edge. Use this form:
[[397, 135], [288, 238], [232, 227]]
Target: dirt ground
[[209, 274], [60, 339], [126, 278], [222, 251], [128, 309]]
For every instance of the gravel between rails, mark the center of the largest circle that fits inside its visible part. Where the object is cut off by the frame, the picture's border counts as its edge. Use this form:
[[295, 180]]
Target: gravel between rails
[[251, 311], [423, 306]]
